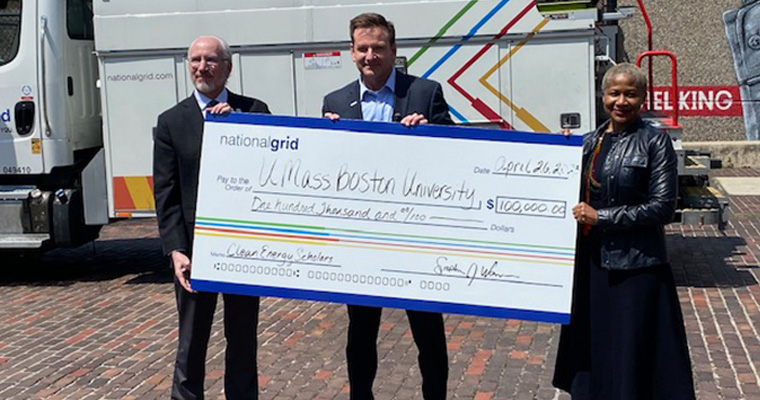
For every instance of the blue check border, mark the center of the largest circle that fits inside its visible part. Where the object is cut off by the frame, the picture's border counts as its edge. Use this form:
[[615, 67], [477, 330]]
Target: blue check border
[[378, 301], [387, 128]]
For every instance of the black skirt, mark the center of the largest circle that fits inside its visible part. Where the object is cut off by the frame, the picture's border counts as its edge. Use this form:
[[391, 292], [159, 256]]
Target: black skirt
[[626, 338]]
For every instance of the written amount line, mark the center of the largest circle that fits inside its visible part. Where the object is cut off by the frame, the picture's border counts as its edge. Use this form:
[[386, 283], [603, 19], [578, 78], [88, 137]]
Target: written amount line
[[403, 203], [376, 220]]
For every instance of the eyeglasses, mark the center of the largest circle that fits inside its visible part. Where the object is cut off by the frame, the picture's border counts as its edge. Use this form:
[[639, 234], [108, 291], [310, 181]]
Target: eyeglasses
[[211, 62]]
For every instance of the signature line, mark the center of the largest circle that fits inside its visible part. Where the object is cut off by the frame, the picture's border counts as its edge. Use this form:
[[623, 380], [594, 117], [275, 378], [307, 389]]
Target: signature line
[[474, 278]]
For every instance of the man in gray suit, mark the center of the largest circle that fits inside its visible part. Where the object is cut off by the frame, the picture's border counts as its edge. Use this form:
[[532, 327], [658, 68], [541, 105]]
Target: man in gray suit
[[384, 94]]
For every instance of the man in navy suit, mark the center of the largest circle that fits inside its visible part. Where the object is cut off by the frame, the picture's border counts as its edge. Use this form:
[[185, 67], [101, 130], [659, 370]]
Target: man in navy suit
[[383, 94], [176, 159]]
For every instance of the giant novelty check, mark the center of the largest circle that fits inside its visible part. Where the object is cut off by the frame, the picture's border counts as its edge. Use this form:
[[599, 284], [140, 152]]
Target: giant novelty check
[[433, 218]]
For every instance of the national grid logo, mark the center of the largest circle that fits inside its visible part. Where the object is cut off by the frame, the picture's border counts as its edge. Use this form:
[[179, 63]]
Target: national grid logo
[[269, 142]]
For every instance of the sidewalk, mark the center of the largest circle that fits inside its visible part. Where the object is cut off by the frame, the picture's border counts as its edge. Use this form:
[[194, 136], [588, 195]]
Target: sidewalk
[[98, 322]]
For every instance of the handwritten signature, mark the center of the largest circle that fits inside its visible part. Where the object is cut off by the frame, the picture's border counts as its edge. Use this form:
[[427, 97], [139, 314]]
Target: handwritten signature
[[471, 272]]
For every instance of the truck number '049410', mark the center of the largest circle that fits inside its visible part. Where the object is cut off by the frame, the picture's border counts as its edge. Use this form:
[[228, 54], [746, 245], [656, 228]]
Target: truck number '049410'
[[17, 170]]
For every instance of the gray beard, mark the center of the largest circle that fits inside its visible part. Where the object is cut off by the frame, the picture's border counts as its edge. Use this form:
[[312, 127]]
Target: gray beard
[[205, 87]]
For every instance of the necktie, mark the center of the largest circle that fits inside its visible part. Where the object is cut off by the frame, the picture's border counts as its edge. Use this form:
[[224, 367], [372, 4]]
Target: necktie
[[211, 104]]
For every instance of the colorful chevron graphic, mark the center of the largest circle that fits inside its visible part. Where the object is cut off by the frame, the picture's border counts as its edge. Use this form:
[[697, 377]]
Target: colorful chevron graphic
[[520, 113], [477, 103]]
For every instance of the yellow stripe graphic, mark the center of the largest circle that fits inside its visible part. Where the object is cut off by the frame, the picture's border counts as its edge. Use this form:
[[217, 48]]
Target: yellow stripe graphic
[[141, 192], [520, 112]]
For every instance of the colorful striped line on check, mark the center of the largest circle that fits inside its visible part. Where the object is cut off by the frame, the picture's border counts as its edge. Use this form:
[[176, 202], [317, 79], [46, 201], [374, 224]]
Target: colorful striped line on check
[[133, 193], [322, 236]]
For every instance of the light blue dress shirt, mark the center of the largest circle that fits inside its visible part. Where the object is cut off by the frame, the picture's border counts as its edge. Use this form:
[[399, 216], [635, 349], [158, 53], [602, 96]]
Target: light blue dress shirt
[[378, 105], [204, 100]]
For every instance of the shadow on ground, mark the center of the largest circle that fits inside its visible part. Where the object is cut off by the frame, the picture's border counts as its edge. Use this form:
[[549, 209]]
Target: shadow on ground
[[139, 260], [710, 262], [697, 262]]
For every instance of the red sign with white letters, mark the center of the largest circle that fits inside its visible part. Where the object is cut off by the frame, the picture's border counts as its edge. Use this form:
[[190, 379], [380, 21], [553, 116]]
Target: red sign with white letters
[[700, 101]]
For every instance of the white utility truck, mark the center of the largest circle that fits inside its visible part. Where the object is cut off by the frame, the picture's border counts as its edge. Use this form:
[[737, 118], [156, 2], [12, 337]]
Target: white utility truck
[[82, 83]]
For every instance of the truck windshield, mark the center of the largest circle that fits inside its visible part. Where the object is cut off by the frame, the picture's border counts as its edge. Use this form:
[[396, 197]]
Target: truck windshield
[[10, 29]]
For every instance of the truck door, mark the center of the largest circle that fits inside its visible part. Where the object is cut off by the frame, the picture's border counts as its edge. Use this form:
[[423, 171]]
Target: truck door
[[20, 145], [542, 97]]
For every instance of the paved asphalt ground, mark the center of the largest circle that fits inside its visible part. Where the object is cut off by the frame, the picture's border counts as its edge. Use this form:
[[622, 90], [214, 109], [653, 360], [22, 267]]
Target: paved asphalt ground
[[98, 322]]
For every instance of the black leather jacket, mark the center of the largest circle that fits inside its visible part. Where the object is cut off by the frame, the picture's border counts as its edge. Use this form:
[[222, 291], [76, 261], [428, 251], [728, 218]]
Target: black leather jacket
[[640, 176]]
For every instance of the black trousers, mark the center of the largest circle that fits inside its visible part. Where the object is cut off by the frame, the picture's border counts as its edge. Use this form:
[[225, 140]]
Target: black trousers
[[361, 351], [196, 313]]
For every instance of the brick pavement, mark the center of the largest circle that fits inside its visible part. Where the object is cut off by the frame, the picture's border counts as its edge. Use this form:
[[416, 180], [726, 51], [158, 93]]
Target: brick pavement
[[98, 322]]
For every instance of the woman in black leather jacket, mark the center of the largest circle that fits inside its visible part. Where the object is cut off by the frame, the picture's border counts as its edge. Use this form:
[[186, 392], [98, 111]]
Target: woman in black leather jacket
[[626, 338]]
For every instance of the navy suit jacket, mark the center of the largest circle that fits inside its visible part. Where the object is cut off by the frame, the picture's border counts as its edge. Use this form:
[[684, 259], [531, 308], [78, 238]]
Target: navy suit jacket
[[176, 164], [413, 95]]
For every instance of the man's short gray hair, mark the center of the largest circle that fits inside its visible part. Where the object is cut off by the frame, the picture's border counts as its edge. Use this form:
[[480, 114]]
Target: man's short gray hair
[[223, 45], [637, 76]]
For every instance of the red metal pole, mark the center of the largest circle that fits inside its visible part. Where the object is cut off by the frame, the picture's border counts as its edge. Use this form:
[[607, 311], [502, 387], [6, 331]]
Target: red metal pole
[[649, 48], [673, 77]]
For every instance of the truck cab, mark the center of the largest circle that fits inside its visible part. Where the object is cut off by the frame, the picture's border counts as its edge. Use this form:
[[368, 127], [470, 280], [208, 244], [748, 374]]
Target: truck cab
[[49, 122]]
